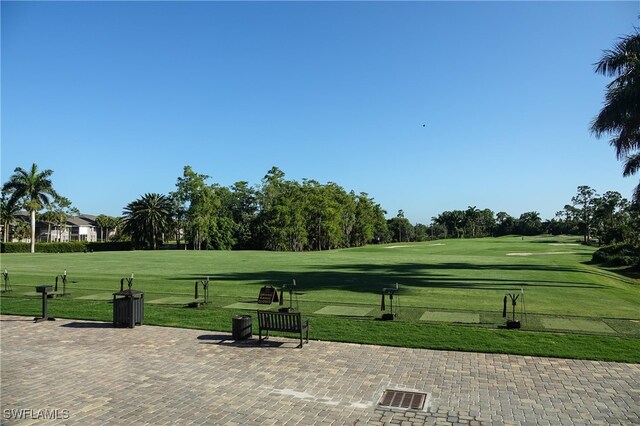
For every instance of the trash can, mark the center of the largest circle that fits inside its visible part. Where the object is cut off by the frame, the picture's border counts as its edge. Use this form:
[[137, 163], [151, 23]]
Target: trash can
[[128, 308], [241, 327]]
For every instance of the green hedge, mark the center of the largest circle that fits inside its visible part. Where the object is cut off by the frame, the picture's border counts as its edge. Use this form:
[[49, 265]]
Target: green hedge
[[14, 248], [618, 254], [70, 247]]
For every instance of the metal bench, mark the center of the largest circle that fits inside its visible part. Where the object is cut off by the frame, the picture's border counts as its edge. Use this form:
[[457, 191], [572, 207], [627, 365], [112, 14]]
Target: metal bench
[[282, 321]]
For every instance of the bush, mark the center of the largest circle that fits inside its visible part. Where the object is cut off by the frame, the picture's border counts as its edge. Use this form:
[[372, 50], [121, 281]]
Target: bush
[[618, 254], [70, 247], [15, 248]]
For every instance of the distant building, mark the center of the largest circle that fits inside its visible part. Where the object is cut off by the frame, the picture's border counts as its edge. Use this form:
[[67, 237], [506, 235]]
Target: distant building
[[83, 228], [77, 228]]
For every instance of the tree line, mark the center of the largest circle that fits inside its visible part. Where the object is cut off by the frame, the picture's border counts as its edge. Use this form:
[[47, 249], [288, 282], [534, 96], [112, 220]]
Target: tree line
[[609, 218], [278, 214], [286, 215]]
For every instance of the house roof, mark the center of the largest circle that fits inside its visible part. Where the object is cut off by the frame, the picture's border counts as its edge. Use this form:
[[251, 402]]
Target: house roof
[[82, 220], [23, 216]]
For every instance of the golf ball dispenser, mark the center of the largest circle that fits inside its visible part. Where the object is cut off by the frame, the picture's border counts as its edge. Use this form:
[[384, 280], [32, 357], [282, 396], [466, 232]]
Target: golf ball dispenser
[[290, 288], [7, 283], [62, 278], [390, 292], [205, 294], [513, 297], [129, 281]]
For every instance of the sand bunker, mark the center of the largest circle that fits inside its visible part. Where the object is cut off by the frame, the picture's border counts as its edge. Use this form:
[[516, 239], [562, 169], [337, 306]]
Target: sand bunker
[[428, 245], [541, 254]]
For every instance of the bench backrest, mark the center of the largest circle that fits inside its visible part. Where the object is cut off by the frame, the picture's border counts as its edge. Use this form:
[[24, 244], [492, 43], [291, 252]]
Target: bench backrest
[[279, 320]]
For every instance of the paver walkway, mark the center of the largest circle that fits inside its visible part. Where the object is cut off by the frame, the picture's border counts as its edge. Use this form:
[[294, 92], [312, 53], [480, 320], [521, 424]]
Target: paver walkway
[[94, 374]]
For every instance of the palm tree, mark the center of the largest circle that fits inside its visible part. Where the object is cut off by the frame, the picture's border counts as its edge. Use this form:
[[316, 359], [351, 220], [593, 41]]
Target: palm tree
[[34, 189], [620, 116], [49, 217], [8, 210], [471, 216], [147, 218], [102, 221]]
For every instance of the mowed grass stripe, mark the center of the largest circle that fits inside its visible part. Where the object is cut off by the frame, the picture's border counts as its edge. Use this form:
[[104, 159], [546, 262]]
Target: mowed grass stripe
[[451, 317], [173, 300], [347, 311]]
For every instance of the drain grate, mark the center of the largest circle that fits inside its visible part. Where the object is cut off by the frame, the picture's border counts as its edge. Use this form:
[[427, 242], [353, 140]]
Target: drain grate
[[403, 399]]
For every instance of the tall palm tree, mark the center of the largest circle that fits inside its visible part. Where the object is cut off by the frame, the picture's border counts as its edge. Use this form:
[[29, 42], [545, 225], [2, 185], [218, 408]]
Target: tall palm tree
[[147, 218], [620, 116], [33, 188]]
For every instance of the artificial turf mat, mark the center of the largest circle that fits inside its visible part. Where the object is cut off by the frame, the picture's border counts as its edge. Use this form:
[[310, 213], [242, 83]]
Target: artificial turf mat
[[461, 317], [576, 324], [97, 296], [348, 311]]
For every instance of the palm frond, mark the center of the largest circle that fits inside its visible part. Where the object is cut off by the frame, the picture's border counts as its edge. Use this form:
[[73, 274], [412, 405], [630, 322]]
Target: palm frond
[[616, 61], [632, 165]]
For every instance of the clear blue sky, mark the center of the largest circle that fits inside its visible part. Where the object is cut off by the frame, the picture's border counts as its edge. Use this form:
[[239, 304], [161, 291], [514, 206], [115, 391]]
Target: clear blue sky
[[116, 97]]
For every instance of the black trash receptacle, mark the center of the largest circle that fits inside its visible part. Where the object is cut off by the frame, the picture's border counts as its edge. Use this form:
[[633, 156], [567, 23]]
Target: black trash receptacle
[[241, 327], [128, 308]]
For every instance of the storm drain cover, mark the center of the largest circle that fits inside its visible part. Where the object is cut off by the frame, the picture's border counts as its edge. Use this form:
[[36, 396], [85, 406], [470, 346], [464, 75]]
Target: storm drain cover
[[403, 399]]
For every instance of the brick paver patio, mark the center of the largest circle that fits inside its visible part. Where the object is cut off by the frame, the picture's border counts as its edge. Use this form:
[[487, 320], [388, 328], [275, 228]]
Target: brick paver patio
[[95, 374]]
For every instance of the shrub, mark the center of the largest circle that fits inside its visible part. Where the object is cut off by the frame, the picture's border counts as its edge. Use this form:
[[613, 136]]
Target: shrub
[[618, 254], [15, 248], [70, 247]]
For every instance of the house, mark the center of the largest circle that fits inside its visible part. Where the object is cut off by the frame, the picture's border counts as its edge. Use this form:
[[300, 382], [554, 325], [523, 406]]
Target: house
[[82, 228], [77, 228]]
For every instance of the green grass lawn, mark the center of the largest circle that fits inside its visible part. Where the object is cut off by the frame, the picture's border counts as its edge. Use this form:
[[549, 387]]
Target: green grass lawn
[[451, 292]]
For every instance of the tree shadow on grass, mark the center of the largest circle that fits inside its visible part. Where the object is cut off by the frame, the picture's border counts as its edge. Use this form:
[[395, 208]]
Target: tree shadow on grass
[[568, 241], [372, 278]]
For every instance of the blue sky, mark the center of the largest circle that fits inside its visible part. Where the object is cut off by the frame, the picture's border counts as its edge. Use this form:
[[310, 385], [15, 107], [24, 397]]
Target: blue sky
[[117, 97]]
